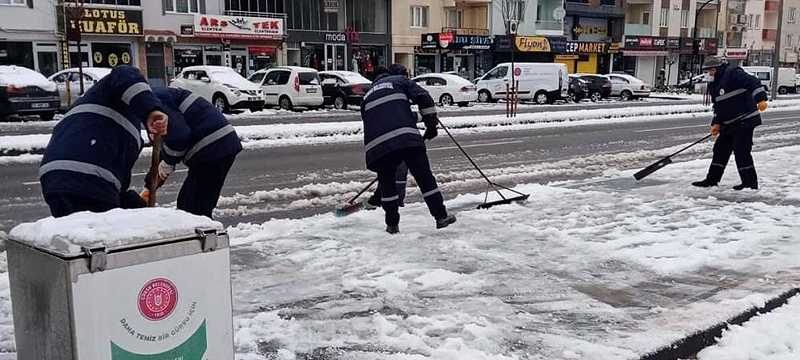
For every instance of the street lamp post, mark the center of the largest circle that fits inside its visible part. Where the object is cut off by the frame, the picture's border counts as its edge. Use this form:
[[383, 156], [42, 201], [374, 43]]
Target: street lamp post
[[776, 57]]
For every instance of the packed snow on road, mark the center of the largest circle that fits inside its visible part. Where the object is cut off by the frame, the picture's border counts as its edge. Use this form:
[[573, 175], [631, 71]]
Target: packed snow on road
[[600, 268]]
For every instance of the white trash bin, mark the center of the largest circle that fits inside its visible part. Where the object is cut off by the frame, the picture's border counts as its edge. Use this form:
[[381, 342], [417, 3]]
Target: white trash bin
[[144, 284]]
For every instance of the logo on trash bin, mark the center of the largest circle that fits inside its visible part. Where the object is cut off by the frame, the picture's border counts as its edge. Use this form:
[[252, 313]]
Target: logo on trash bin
[[158, 299]]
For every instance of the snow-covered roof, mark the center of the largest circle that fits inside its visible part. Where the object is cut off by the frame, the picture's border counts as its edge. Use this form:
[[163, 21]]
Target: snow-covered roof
[[21, 76], [112, 229]]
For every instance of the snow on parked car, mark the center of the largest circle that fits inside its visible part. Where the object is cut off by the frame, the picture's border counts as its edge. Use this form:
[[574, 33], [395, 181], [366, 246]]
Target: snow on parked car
[[628, 87], [222, 86], [69, 85], [290, 86], [26, 92], [448, 89]]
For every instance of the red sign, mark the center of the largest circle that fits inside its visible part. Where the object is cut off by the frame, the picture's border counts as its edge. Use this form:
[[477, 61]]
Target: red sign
[[645, 42], [261, 50], [158, 299], [517, 71], [238, 27]]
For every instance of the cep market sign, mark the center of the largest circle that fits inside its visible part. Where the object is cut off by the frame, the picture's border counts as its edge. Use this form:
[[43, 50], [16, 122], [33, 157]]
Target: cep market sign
[[238, 27]]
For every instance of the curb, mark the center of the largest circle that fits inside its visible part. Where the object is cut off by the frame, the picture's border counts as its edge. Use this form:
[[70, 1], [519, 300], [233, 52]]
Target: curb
[[689, 346]]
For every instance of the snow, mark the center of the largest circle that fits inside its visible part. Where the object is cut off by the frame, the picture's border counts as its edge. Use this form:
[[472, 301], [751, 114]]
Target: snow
[[771, 336], [112, 229], [20, 77]]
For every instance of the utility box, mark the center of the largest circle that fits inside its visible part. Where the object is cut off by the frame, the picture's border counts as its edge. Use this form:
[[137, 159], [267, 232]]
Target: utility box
[[123, 285]]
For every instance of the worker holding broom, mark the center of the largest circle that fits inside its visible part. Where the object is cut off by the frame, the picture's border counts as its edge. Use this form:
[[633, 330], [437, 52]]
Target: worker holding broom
[[738, 99], [391, 137], [87, 163], [200, 137]]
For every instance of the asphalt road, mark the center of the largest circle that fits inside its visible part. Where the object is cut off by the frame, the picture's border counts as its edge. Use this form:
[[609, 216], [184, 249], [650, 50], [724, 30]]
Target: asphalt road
[[299, 181]]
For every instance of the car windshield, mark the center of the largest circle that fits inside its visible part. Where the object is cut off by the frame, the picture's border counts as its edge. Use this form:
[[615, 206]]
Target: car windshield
[[308, 78]]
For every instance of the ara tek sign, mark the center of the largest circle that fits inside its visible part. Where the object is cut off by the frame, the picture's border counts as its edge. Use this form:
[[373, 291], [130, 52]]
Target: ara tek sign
[[238, 27]]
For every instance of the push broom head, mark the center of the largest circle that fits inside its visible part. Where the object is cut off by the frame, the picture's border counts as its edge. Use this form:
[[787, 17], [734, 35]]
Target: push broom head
[[348, 208], [506, 201], [652, 168]]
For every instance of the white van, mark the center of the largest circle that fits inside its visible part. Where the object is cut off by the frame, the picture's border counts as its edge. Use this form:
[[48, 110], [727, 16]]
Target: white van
[[786, 77], [543, 83]]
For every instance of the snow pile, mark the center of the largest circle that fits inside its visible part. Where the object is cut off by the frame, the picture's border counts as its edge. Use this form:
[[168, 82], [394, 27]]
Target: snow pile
[[115, 228], [11, 75], [23, 143], [771, 336]]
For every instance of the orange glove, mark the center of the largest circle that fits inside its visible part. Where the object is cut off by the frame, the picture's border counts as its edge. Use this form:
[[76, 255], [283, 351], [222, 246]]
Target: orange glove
[[762, 106], [145, 194], [715, 130]]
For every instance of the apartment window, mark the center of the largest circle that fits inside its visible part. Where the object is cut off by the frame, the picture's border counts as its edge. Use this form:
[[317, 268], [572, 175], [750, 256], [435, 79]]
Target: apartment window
[[108, 2], [419, 16], [789, 40], [758, 21], [684, 19], [367, 15], [256, 6], [792, 15], [455, 18], [12, 2], [646, 18], [181, 6], [664, 21]]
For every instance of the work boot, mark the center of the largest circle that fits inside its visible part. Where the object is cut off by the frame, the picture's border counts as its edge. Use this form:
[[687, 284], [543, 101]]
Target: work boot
[[743, 186], [392, 229], [704, 184], [372, 203], [445, 221]]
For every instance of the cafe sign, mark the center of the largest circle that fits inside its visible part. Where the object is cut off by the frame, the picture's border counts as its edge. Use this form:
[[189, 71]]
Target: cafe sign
[[238, 27], [100, 21]]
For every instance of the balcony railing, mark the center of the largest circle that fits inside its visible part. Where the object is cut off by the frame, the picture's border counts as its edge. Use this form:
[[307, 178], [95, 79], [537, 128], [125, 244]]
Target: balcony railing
[[549, 25], [466, 31], [638, 29], [256, 14]]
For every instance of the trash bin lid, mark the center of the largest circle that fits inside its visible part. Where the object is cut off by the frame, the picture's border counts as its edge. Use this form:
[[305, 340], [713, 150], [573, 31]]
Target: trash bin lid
[[119, 228]]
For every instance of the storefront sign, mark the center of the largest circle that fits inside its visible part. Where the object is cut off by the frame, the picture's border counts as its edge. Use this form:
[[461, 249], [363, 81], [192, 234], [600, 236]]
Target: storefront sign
[[533, 44], [187, 30], [445, 39], [566, 57], [238, 27], [261, 50], [335, 37], [614, 48], [99, 21], [586, 47], [735, 54], [471, 42], [590, 29]]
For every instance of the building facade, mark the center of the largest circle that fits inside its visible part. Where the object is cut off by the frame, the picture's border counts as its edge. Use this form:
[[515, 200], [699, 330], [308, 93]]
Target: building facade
[[28, 35], [591, 27]]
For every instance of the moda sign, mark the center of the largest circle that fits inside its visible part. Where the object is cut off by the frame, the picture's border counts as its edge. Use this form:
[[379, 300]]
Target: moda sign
[[238, 27]]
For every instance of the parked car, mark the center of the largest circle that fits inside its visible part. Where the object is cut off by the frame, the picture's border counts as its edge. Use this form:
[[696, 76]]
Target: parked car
[[343, 88], [578, 88], [542, 82], [26, 92], [448, 89], [599, 86], [786, 77], [290, 86], [697, 84], [627, 87], [222, 86], [70, 79]]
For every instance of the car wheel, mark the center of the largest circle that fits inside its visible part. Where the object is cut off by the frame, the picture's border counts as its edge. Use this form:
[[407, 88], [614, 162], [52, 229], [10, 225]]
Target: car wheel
[[571, 97], [541, 98], [625, 95], [446, 100], [285, 103], [484, 96], [339, 103], [47, 116], [783, 90], [463, 104], [220, 103], [596, 96]]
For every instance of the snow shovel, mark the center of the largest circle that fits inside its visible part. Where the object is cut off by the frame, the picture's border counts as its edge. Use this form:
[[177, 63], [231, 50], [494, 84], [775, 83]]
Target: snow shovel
[[155, 159], [351, 206], [665, 161], [491, 184]]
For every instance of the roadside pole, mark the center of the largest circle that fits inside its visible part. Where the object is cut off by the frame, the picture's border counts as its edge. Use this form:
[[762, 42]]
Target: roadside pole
[[776, 56]]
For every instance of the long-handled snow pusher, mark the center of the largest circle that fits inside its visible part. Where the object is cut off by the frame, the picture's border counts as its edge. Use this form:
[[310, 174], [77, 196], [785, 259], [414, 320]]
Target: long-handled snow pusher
[[665, 161], [155, 159], [491, 184], [351, 205]]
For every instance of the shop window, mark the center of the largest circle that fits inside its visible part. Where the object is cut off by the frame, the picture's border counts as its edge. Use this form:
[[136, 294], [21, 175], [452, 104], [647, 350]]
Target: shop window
[[111, 54], [181, 6], [48, 62], [16, 53], [419, 16]]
